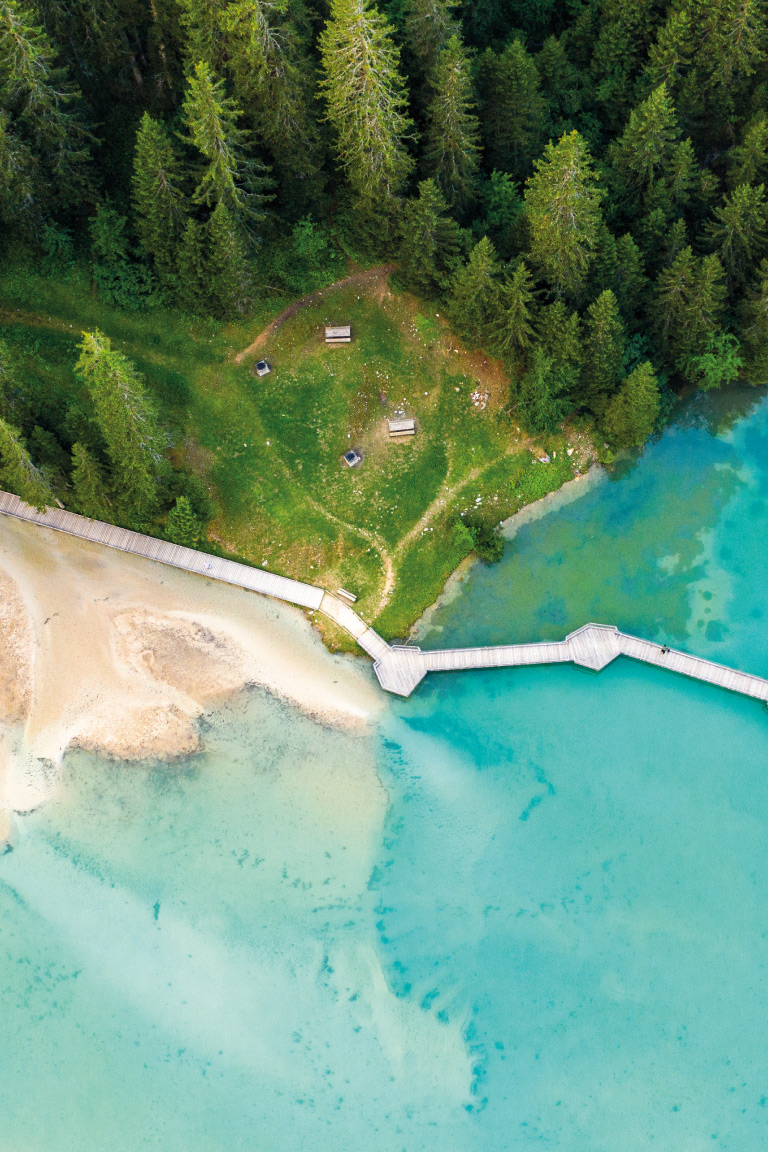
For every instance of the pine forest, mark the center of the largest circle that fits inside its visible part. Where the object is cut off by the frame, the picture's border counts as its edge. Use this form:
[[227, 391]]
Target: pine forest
[[575, 189]]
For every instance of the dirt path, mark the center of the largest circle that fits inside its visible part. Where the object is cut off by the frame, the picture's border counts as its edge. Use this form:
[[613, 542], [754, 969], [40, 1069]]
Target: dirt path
[[380, 273], [445, 497], [372, 537]]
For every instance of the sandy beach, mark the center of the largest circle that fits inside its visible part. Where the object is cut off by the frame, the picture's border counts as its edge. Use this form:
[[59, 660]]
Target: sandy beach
[[112, 653]]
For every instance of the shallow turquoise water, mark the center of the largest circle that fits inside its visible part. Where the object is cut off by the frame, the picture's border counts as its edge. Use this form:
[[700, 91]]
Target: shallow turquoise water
[[553, 936]]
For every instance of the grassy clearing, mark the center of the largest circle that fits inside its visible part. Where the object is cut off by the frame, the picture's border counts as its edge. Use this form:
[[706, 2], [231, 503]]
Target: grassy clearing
[[270, 449]]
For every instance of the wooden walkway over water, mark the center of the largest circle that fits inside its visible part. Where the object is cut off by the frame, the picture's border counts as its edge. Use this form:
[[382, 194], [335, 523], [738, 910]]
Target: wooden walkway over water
[[400, 669]]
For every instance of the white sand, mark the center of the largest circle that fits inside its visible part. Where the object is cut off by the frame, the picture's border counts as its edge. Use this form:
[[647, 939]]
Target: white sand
[[111, 652]]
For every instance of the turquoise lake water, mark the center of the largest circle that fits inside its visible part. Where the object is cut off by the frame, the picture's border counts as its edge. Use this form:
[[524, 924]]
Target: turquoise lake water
[[542, 923]]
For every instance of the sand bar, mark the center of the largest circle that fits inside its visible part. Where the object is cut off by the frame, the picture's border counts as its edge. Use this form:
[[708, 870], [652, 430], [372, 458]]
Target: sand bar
[[111, 652]]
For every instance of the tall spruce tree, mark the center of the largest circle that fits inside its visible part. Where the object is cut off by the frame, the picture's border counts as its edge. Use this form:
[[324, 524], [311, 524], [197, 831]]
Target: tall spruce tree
[[192, 282], [42, 107], [17, 472], [431, 242], [753, 323], [543, 396], [560, 339], [644, 150], [200, 20], [626, 29], [513, 329], [474, 297], [603, 350], [562, 204], [226, 268], [619, 265], [688, 306], [90, 491], [631, 414], [366, 101], [739, 232], [562, 84], [513, 110], [706, 52], [268, 57], [126, 421], [228, 177], [429, 25], [451, 149], [17, 176], [158, 200]]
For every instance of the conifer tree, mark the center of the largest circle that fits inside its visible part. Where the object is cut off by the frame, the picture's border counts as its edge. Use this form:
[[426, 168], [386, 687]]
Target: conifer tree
[[626, 28], [645, 147], [631, 414], [228, 178], [192, 276], [226, 267], [157, 198], [603, 350], [125, 419], [451, 149], [366, 100], [753, 324], [514, 112], [562, 206], [17, 173], [17, 472], [739, 232], [717, 364], [429, 25], [753, 327], [183, 526], [200, 20], [560, 340], [474, 296], [272, 72], [543, 394], [749, 158], [688, 306], [562, 84], [90, 492], [618, 265], [706, 52], [42, 103], [431, 242], [513, 330]]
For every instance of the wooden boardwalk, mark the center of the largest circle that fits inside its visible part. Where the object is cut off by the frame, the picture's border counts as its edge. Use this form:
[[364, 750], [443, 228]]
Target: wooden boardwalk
[[592, 646], [400, 669], [165, 553]]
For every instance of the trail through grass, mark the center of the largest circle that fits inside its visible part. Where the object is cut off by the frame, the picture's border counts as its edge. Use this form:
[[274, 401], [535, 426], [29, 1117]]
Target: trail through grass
[[270, 448]]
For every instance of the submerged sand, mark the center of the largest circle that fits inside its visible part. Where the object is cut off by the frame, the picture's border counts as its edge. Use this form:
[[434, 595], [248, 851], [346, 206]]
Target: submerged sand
[[113, 653]]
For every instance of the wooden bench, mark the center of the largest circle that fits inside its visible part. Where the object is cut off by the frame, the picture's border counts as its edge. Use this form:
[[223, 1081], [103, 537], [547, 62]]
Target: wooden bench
[[342, 335], [400, 428]]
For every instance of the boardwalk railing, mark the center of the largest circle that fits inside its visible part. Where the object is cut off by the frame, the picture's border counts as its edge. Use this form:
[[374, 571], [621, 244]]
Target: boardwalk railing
[[399, 669]]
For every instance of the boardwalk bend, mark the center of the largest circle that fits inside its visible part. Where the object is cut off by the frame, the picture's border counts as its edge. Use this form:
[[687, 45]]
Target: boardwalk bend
[[399, 669]]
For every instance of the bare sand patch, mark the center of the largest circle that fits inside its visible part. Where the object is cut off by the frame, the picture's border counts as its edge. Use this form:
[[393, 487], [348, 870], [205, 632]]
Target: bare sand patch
[[114, 653], [16, 647]]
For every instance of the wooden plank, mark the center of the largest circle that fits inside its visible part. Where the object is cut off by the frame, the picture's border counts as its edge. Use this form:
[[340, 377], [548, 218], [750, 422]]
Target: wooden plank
[[163, 552], [399, 669]]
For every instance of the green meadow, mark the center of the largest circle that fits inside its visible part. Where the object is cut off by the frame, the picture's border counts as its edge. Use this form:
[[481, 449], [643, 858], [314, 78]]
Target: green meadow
[[269, 449]]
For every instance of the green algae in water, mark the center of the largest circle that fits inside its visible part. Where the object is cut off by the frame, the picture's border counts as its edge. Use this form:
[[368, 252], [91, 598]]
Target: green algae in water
[[553, 937]]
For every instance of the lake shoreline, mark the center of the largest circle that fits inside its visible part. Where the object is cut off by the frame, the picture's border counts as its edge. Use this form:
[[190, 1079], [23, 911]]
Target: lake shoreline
[[568, 492], [104, 651]]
